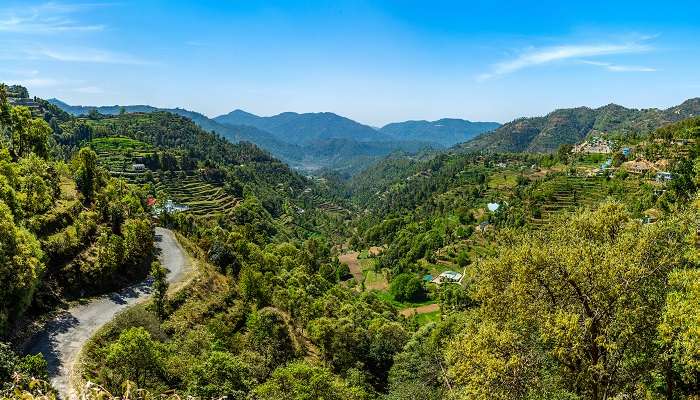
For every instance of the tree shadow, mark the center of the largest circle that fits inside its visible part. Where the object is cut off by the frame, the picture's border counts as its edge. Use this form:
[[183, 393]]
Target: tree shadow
[[47, 344]]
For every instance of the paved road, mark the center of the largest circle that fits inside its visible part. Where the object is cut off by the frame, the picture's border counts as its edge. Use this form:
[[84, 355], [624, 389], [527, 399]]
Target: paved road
[[61, 340]]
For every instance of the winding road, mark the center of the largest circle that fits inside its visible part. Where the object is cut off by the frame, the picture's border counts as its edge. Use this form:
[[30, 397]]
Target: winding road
[[62, 338]]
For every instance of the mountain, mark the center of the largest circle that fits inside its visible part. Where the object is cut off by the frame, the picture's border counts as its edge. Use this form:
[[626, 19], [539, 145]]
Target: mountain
[[234, 133], [569, 126], [307, 127], [446, 131], [308, 142]]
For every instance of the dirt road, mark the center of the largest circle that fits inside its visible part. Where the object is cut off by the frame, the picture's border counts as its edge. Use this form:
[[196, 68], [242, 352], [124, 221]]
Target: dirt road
[[61, 340]]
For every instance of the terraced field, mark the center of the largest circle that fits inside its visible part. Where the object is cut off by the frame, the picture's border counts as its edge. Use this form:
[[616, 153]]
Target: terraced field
[[566, 193], [203, 198], [118, 154]]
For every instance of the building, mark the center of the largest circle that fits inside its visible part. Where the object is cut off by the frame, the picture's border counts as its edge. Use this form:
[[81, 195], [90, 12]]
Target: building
[[663, 176], [138, 167], [493, 207], [448, 277]]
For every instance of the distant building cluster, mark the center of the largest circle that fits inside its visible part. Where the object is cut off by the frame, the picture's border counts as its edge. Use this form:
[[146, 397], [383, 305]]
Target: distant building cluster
[[595, 145]]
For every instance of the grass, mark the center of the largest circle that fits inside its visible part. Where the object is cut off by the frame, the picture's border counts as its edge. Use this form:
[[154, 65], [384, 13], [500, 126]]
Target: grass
[[374, 280], [389, 298], [427, 318]]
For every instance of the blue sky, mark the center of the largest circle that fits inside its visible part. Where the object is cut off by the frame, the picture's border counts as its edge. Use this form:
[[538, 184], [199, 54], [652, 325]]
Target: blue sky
[[373, 61]]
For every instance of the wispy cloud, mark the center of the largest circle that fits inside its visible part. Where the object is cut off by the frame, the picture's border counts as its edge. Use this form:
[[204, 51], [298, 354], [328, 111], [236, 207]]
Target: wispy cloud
[[547, 55], [620, 68], [85, 55], [47, 18]]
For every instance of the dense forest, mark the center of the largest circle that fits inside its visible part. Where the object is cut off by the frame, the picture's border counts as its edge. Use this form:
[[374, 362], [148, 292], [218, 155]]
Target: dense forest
[[440, 275]]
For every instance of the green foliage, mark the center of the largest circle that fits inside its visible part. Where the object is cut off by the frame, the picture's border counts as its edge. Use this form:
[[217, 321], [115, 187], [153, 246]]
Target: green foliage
[[21, 267], [221, 374], [407, 287], [678, 333], [573, 311], [160, 288], [269, 335], [87, 174], [10, 363], [134, 357], [301, 381]]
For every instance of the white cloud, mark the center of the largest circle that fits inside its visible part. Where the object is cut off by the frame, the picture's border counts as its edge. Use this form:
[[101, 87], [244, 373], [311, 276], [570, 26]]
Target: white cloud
[[549, 55], [85, 55], [47, 18], [620, 68]]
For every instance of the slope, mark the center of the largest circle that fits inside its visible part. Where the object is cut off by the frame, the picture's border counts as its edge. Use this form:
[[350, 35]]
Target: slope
[[569, 126]]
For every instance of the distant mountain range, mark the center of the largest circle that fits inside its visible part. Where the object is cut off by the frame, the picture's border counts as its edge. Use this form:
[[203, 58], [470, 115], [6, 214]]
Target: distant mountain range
[[572, 125], [313, 141], [308, 127]]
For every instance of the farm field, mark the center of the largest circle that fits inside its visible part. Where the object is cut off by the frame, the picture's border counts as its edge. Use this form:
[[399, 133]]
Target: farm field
[[203, 198]]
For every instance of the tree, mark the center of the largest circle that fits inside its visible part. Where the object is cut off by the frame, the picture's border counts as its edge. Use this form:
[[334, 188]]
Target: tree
[[406, 287], [463, 259], [269, 335], [301, 381], [134, 357], [21, 266], [575, 309], [160, 288], [679, 335], [221, 374], [87, 174]]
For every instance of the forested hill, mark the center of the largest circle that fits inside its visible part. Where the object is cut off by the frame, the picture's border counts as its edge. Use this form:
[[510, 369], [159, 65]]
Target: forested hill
[[446, 131], [569, 126], [164, 129]]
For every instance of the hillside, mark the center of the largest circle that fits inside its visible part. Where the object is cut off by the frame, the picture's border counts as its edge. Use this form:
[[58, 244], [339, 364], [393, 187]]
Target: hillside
[[446, 131], [569, 126]]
